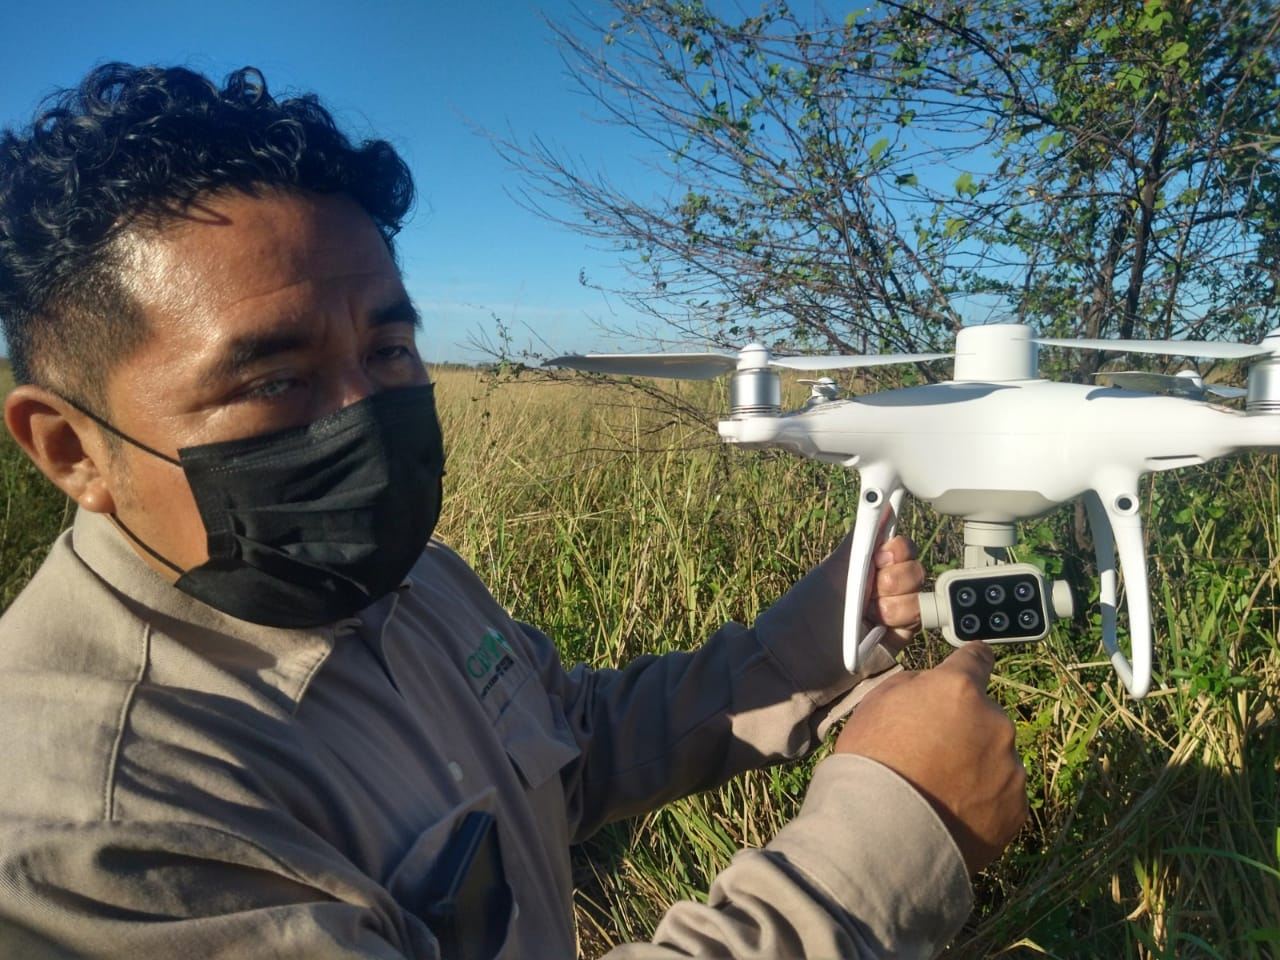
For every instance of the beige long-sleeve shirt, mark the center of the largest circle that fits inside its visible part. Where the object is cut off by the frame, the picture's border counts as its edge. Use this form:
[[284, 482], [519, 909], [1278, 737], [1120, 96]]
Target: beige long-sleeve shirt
[[179, 783]]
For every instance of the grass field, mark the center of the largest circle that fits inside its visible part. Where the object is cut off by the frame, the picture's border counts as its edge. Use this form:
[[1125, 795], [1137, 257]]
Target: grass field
[[621, 527]]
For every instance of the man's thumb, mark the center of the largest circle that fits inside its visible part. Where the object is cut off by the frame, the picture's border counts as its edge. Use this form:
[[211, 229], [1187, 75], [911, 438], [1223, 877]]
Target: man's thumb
[[974, 658]]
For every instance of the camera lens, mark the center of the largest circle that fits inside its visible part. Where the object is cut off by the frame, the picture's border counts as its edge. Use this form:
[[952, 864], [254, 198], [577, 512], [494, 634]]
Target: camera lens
[[999, 622], [970, 623], [966, 596], [1029, 620], [1023, 591], [994, 593]]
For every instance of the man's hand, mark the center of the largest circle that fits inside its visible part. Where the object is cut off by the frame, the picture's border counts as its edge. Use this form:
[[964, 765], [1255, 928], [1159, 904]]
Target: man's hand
[[940, 731], [894, 597]]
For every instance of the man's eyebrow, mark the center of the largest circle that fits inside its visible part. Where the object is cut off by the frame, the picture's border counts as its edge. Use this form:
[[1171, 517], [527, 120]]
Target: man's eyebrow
[[247, 351], [402, 311]]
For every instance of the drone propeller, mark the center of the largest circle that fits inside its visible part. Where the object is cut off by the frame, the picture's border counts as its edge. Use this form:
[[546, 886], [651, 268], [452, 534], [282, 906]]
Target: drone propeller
[[1172, 348], [677, 366], [855, 360], [991, 353], [1187, 383], [705, 366]]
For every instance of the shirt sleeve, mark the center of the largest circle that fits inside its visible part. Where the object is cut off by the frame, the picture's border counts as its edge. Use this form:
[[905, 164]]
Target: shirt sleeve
[[667, 726], [865, 870]]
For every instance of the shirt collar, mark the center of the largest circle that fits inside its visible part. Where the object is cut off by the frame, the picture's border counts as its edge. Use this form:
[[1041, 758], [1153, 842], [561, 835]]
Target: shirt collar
[[281, 660]]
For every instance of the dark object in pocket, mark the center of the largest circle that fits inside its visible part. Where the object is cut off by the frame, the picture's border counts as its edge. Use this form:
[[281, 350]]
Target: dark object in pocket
[[466, 899]]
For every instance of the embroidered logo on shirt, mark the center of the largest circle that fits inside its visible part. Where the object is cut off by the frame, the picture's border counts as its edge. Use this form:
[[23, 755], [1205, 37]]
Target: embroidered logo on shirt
[[489, 660]]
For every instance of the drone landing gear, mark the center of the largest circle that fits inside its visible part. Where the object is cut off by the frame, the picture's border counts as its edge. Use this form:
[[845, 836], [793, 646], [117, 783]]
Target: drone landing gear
[[996, 601], [879, 500], [1115, 523]]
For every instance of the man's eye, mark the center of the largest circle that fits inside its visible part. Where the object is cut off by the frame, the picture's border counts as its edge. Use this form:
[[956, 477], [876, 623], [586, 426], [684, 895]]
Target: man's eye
[[271, 389], [397, 351]]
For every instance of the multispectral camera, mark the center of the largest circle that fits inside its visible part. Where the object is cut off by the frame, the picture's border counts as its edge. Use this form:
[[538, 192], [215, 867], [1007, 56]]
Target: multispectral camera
[[1008, 603]]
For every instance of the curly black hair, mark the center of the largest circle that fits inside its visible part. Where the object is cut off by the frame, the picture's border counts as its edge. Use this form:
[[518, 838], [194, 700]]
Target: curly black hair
[[134, 145]]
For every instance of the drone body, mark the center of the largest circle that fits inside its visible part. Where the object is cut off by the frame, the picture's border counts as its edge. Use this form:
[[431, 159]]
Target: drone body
[[994, 445], [999, 452]]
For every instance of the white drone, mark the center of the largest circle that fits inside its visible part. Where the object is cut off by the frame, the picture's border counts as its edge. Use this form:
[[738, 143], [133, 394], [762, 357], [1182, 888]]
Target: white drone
[[994, 445]]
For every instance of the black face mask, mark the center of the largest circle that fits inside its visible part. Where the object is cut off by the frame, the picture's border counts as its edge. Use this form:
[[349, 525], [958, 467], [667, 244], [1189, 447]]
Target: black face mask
[[311, 524]]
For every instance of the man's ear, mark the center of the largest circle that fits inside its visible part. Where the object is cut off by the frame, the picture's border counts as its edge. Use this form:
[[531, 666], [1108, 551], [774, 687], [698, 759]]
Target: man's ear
[[66, 445]]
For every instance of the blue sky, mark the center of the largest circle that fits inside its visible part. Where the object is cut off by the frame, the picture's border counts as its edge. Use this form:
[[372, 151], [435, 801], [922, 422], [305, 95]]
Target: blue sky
[[417, 73]]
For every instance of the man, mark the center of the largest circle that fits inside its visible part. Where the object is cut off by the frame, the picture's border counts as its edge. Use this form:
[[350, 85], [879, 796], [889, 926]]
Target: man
[[252, 710]]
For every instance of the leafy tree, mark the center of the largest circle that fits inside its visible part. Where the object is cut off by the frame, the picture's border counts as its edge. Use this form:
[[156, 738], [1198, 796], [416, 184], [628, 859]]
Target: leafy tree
[[876, 177], [874, 181]]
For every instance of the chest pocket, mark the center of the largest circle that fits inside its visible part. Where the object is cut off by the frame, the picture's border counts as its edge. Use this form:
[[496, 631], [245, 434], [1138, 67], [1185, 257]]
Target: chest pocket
[[453, 880], [528, 719], [536, 736]]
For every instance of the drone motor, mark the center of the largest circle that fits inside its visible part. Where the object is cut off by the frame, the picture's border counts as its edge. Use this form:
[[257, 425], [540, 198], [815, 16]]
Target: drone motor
[[756, 392], [1263, 393]]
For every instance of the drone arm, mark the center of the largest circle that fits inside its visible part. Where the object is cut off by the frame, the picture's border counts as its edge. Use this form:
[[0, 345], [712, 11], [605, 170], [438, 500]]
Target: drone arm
[[879, 499], [1116, 523]]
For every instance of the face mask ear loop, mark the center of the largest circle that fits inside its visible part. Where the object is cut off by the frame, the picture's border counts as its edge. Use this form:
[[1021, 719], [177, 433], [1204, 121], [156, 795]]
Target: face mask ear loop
[[141, 446], [122, 435], [138, 540]]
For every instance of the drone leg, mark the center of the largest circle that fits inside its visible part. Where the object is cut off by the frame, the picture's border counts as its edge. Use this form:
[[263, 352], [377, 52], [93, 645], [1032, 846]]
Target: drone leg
[[1119, 524], [879, 499]]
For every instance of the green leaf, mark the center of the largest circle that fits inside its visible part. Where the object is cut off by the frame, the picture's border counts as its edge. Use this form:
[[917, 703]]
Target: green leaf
[[1051, 142], [1175, 52], [1264, 868], [879, 147], [1132, 77], [965, 185]]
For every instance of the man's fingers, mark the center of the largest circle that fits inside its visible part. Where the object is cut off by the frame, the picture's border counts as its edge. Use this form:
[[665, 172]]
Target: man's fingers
[[902, 610], [894, 550], [974, 658], [897, 639], [898, 579]]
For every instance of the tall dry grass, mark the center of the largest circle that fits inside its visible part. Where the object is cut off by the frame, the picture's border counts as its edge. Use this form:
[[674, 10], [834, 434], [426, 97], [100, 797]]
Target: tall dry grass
[[622, 528]]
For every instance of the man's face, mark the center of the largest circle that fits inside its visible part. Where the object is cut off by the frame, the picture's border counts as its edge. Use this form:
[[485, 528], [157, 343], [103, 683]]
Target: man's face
[[263, 313]]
